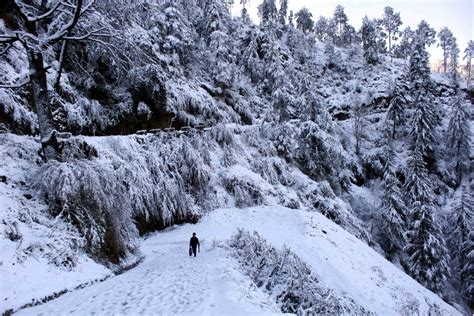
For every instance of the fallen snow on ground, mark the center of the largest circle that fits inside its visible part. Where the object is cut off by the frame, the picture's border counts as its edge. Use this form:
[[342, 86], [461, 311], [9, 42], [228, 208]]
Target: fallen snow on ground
[[170, 282], [39, 255]]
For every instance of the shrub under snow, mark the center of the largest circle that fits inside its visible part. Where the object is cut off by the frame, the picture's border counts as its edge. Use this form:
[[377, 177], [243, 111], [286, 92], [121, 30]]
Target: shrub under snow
[[288, 279]]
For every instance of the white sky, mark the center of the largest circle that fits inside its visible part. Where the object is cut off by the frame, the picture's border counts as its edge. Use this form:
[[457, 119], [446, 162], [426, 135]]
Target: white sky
[[457, 15]]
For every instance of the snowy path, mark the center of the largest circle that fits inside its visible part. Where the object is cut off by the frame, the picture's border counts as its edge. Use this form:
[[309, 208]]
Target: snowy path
[[168, 282]]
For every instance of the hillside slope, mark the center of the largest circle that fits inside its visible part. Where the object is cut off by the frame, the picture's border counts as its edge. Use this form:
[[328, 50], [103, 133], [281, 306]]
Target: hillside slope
[[169, 281]]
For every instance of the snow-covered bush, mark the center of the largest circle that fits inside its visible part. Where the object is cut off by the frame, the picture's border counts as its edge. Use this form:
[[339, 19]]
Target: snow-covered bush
[[87, 194], [248, 188], [288, 279], [129, 188]]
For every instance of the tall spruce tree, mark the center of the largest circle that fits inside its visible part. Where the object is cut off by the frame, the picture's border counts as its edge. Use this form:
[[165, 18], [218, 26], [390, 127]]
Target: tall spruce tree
[[468, 55], [283, 12], [426, 33], [304, 20], [467, 272], [340, 25], [445, 37], [321, 28], [267, 11], [462, 220], [393, 215], [458, 136], [391, 22], [422, 131], [404, 48], [369, 41], [454, 61], [426, 250], [398, 103]]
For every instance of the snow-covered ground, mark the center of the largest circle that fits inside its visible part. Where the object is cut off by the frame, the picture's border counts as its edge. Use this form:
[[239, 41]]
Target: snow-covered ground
[[39, 255], [170, 282]]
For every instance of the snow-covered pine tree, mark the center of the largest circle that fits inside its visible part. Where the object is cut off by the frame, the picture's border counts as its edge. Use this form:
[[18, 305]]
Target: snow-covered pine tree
[[290, 19], [426, 250], [425, 118], [454, 61], [458, 136], [426, 33], [245, 16], [320, 28], [392, 226], [445, 37], [422, 131], [467, 272], [340, 25], [369, 43], [391, 23], [404, 48], [267, 11], [462, 221], [468, 55], [283, 12], [304, 20], [419, 70], [398, 103]]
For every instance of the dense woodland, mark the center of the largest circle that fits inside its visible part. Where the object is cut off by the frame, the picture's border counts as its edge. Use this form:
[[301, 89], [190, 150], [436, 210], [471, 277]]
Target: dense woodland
[[350, 123]]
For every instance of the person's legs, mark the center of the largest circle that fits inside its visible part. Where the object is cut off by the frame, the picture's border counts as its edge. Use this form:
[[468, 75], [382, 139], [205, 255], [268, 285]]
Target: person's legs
[[194, 251]]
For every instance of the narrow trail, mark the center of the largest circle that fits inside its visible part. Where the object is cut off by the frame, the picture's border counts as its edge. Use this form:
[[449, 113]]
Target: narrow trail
[[168, 282]]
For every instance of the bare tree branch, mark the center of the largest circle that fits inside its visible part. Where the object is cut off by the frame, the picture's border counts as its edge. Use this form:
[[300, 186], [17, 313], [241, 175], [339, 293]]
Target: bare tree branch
[[89, 34], [71, 24], [8, 46], [44, 15], [15, 86]]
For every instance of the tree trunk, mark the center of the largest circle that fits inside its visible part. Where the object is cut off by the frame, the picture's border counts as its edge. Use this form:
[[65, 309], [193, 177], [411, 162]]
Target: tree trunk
[[39, 87], [389, 42]]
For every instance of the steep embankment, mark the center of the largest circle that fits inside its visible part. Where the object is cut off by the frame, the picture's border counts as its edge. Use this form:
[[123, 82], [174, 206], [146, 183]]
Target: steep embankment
[[168, 281]]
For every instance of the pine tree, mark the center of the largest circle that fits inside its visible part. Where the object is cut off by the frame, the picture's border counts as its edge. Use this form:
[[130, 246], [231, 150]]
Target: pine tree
[[340, 23], [282, 13], [245, 16], [304, 20], [404, 48], [426, 33], [267, 11], [290, 19], [458, 136], [467, 272], [398, 104], [391, 22], [321, 28], [428, 257], [454, 61], [393, 210], [419, 70], [445, 37], [423, 127], [463, 223], [369, 43], [468, 55]]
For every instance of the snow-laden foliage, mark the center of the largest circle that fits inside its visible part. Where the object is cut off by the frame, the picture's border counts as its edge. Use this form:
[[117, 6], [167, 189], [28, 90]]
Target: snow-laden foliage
[[109, 198], [288, 279], [293, 115]]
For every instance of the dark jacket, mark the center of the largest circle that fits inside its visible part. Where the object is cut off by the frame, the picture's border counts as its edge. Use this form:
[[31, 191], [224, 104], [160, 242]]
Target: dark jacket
[[194, 242]]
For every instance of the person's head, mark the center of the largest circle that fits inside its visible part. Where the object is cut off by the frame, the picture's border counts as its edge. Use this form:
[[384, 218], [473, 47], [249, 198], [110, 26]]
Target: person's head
[[194, 234]]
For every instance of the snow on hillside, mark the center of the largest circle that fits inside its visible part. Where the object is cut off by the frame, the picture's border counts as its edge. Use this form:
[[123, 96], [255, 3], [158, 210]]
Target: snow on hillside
[[34, 247], [170, 282]]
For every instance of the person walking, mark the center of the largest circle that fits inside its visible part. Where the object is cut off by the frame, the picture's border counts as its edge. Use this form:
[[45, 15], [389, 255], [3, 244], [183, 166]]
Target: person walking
[[194, 245]]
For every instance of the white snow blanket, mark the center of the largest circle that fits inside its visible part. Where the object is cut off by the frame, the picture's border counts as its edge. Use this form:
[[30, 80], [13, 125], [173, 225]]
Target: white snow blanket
[[170, 282]]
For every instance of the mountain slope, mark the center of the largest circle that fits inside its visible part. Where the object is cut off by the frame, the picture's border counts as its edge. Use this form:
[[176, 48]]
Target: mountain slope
[[169, 281]]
